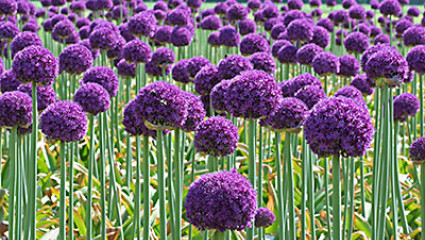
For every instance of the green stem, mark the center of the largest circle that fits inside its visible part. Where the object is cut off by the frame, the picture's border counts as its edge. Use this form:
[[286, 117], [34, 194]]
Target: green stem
[[62, 205], [304, 168], [252, 163], [290, 170], [311, 159], [328, 211], [422, 198], [279, 179], [12, 190], [352, 168], [71, 192], [146, 188], [336, 197], [161, 186], [102, 176], [178, 161], [217, 235], [136, 223], [89, 223], [398, 193], [362, 188]]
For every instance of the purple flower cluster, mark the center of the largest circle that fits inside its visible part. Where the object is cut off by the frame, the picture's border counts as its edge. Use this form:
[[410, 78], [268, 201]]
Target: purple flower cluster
[[414, 36], [325, 63], [15, 109], [219, 96], [416, 59], [310, 95], [349, 66], [253, 43], [195, 112], [206, 79], [222, 200], [229, 37], [75, 59], [64, 121], [356, 42], [134, 124], [46, 96], [405, 105], [103, 76], [233, 65], [338, 126], [93, 98], [180, 37], [263, 61], [352, 93], [364, 84], [306, 53], [143, 24], [8, 82], [300, 30], [289, 87], [264, 218], [417, 151]]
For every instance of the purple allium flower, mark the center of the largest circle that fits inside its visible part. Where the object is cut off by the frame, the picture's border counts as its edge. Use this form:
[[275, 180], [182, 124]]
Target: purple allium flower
[[219, 96], [8, 7], [390, 7], [295, 4], [277, 29], [77, 6], [15, 110], [93, 98], [325, 23], [414, 36], [84, 32], [195, 64], [365, 85], [160, 5], [180, 72], [310, 95], [143, 24], [253, 94], [370, 14], [24, 40], [62, 30], [247, 26], [181, 36], [357, 12], [103, 76], [348, 3], [196, 112], [270, 23], [289, 87], [211, 22], [41, 13], [237, 12], [413, 11], [331, 3], [137, 51], [37, 64], [46, 3], [325, 63], [178, 17], [160, 15], [306, 53], [340, 17], [387, 66], [320, 37], [300, 30], [349, 66], [375, 31], [290, 114], [416, 59], [103, 38], [86, 43], [254, 4], [8, 31], [116, 51], [8, 81], [382, 39], [64, 121], [163, 34], [370, 51], [162, 105], [264, 218], [221, 8], [206, 79], [194, 4], [270, 11], [229, 37], [405, 105], [417, 151], [156, 71], [75, 59], [287, 54], [374, 4], [277, 45], [263, 61], [29, 27], [352, 93], [58, 3], [316, 13], [133, 123], [126, 70], [403, 25], [253, 43], [338, 126], [221, 200], [356, 42], [163, 57], [45, 95], [315, 3], [233, 65]]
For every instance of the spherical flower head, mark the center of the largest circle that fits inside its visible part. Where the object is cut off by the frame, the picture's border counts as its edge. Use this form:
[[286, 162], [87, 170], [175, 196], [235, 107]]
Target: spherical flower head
[[196, 112], [356, 42], [253, 43], [220, 97], [232, 65], [247, 26], [46, 3], [277, 29], [264, 218], [263, 61], [94, 52], [375, 31], [162, 105], [103, 38], [382, 39], [352, 93], [30, 27], [254, 4], [35, 64], [325, 63], [194, 4], [237, 12], [180, 71], [211, 22], [277, 45], [325, 23], [307, 52], [180, 37], [163, 34], [78, 6], [178, 17], [403, 25], [405, 105], [63, 30], [387, 66], [270, 11], [414, 36], [417, 151], [287, 54], [374, 4], [331, 3], [338, 126], [103, 76], [310, 95], [289, 115], [357, 12], [390, 7], [253, 94], [15, 110], [125, 69], [8, 31], [93, 98], [45, 95], [295, 4], [362, 83], [137, 51], [229, 37], [206, 79], [133, 123], [156, 71], [315, 3], [416, 59], [24, 40], [371, 51], [163, 57], [289, 87], [222, 200], [349, 66], [413, 11], [8, 82], [269, 23], [8, 7], [143, 24], [348, 3], [75, 59], [116, 51], [300, 30], [64, 121]]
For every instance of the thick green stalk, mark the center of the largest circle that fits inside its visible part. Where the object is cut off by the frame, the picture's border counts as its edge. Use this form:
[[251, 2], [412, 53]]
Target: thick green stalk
[[146, 188], [336, 197], [423, 199], [62, 205], [290, 170], [311, 159], [12, 190], [71, 191], [89, 223], [352, 168], [102, 177], [128, 166], [18, 172], [362, 188], [398, 193], [304, 169], [217, 235], [136, 223], [260, 179], [279, 179], [178, 162], [161, 186], [252, 163], [328, 211]]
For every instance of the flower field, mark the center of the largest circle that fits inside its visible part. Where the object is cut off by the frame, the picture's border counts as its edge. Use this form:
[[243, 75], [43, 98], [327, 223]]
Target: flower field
[[195, 120]]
